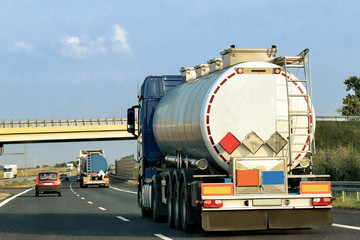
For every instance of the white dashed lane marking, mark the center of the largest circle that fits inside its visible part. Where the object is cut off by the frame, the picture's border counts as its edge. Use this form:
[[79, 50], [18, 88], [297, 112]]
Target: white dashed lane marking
[[162, 237], [122, 218], [346, 226], [122, 190]]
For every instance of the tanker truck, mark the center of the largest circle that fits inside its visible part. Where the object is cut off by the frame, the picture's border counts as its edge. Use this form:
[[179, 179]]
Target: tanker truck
[[93, 168], [228, 145]]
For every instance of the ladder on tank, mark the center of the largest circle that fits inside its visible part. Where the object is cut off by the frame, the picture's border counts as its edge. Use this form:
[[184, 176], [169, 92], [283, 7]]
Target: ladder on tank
[[88, 164], [301, 61]]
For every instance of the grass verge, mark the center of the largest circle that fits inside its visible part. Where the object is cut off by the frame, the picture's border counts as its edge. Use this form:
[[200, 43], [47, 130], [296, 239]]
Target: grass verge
[[4, 196], [18, 184], [350, 203], [34, 171]]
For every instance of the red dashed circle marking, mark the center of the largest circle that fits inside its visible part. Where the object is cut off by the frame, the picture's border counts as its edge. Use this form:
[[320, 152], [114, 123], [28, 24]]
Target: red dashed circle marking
[[208, 117]]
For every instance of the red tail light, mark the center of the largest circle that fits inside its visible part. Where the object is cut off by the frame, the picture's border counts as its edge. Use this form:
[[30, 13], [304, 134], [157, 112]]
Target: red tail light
[[321, 201], [213, 203]]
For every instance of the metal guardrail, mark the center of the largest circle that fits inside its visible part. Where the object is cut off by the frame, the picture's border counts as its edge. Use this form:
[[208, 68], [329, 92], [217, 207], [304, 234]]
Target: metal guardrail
[[337, 118], [346, 186], [52, 122]]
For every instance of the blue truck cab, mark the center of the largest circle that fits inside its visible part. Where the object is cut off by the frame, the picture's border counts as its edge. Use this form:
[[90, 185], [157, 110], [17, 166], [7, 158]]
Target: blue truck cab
[[150, 93]]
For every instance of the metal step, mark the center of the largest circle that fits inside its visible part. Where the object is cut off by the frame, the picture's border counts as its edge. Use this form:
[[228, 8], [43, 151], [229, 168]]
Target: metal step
[[300, 144], [298, 95], [297, 80], [305, 151], [307, 112], [295, 66], [300, 134], [300, 127], [299, 115]]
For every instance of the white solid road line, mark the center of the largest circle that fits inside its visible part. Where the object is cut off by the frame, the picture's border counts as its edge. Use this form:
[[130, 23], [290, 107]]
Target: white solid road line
[[346, 226], [122, 190], [13, 197], [122, 218], [162, 237], [101, 208]]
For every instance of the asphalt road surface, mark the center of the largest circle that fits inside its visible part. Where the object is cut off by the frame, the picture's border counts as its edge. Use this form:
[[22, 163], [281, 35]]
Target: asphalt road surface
[[112, 213]]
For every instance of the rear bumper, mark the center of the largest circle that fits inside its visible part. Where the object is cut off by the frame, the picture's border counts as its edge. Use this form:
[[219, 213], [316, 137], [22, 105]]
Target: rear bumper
[[96, 182], [265, 219], [48, 189]]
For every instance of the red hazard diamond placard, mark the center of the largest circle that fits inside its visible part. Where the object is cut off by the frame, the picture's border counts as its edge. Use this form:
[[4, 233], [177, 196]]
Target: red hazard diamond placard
[[229, 143]]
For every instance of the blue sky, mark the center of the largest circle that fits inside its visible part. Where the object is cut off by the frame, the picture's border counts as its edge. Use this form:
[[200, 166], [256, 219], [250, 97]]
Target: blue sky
[[85, 58]]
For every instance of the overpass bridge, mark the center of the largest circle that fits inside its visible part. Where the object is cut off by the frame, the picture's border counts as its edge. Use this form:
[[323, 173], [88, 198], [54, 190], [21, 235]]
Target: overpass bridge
[[77, 129], [64, 130]]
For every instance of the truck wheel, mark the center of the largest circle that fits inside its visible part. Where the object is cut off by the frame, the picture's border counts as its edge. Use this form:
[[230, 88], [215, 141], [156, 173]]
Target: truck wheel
[[155, 203], [184, 208], [176, 201], [145, 213], [59, 194], [169, 203], [36, 193]]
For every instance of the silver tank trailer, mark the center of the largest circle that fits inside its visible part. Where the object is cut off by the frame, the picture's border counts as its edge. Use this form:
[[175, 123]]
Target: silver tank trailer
[[231, 113]]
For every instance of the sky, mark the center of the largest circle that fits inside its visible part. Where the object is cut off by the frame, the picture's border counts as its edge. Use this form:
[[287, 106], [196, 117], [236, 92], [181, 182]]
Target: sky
[[86, 58]]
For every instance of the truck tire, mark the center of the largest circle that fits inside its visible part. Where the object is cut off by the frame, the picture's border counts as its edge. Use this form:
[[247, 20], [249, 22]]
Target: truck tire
[[184, 208], [176, 200], [156, 204], [145, 213], [170, 203]]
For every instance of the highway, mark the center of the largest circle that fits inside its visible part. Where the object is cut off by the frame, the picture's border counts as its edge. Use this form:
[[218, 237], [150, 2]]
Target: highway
[[112, 213]]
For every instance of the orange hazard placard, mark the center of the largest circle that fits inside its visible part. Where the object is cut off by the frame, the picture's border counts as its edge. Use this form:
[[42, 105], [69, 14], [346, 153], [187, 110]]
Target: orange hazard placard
[[247, 178]]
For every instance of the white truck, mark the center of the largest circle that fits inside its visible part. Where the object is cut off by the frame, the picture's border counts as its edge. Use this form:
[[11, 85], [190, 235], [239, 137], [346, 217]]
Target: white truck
[[69, 167], [228, 145], [10, 171]]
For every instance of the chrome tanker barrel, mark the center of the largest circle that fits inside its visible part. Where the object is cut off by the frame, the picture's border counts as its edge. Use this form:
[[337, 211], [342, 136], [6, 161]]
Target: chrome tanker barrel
[[239, 111]]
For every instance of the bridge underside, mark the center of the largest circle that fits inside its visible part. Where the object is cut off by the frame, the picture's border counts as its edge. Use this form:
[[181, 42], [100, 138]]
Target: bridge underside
[[64, 134]]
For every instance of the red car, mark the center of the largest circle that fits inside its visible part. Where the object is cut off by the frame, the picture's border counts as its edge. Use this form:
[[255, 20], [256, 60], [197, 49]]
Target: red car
[[48, 182]]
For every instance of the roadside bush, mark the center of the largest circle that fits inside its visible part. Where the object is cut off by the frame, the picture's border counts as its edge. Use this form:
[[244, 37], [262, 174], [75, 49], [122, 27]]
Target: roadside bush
[[342, 163]]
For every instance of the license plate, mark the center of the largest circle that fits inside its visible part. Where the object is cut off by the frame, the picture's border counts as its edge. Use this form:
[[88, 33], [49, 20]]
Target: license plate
[[48, 183]]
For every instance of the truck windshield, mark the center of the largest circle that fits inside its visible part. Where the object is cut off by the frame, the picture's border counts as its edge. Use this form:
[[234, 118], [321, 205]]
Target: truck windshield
[[7, 169], [47, 176]]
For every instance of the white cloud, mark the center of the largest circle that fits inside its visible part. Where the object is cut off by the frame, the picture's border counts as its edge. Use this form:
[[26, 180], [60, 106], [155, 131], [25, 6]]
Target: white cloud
[[74, 46], [119, 39], [22, 47]]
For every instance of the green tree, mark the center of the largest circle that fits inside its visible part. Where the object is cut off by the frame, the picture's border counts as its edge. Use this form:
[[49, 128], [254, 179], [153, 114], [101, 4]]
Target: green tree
[[351, 102]]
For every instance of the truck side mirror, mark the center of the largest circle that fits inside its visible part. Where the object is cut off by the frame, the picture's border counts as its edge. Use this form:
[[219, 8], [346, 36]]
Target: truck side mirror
[[131, 120]]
